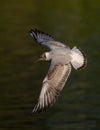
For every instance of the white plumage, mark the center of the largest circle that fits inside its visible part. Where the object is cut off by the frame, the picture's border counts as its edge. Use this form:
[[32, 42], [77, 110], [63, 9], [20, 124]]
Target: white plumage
[[61, 57]]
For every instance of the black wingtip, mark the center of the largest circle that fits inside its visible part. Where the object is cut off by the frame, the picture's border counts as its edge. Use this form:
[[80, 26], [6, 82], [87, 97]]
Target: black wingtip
[[33, 33], [40, 36], [31, 30], [35, 30]]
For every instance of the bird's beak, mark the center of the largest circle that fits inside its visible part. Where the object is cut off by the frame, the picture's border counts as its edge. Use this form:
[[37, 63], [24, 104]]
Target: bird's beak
[[38, 60]]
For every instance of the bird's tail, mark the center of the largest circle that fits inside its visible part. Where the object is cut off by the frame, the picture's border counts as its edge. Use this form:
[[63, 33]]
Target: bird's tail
[[79, 60], [40, 36]]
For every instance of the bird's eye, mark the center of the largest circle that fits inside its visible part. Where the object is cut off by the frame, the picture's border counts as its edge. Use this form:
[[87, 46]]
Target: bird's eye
[[43, 56]]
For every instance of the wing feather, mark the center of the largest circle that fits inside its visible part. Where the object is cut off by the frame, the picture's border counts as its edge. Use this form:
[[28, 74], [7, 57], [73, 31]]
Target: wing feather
[[52, 86], [45, 39]]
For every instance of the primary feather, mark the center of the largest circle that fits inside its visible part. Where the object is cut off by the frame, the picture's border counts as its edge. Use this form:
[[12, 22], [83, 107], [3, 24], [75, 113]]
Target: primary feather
[[45, 39]]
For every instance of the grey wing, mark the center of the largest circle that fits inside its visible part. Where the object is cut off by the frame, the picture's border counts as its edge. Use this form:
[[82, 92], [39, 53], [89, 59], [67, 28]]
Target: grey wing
[[52, 85], [45, 39]]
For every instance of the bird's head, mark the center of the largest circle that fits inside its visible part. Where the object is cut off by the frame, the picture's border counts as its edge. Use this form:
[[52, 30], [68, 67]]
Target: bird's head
[[45, 56]]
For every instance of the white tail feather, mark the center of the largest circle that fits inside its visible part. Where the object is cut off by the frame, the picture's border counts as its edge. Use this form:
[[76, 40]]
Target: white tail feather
[[78, 58]]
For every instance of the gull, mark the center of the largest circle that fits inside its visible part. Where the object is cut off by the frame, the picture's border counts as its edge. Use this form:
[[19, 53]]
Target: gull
[[62, 59]]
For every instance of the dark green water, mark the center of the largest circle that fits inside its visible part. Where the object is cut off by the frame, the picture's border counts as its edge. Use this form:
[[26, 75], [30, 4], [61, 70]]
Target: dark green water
[[75, 22]]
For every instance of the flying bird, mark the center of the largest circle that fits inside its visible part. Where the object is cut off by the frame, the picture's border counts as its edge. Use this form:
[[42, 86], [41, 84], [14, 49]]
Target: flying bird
[[62, 59]]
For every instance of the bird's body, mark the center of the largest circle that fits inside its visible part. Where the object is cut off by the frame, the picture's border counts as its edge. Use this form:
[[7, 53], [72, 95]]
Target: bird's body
[[61, 57]]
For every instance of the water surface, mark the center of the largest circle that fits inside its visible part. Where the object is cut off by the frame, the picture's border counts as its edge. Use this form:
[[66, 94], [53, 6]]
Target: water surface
[[76, 23]]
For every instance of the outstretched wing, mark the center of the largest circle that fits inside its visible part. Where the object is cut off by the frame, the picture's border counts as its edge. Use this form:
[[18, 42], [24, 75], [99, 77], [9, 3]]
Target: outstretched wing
[[52, 85], [45, 39]]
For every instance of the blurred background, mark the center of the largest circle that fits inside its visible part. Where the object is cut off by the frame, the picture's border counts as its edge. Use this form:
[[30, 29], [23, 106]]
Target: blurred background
[[74, 22]]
